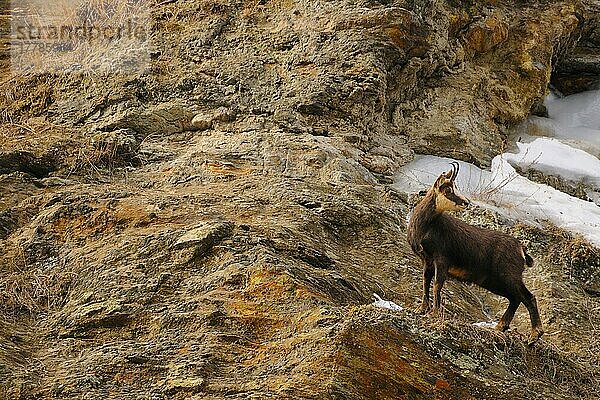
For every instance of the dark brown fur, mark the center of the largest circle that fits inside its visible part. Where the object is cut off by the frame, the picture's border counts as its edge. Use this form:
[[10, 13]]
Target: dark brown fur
[[452, 248]]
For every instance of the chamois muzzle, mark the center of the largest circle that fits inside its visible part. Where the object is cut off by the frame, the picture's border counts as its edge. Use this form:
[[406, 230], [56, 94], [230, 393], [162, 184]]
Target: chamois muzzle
[[463, 202]]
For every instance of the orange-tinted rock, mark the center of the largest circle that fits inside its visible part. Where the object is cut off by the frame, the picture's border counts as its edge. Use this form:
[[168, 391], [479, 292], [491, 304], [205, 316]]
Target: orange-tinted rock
[[482, 36]]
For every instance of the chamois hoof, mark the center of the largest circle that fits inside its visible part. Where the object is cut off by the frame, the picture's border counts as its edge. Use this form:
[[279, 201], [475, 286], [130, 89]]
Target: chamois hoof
[[501, 327], [536, 334], [435, 313], [423, 309]]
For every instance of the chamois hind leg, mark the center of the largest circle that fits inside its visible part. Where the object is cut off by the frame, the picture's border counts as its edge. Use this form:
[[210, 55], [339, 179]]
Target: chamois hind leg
[[428, 272], [509, 314], [441, 270], [536, 324]]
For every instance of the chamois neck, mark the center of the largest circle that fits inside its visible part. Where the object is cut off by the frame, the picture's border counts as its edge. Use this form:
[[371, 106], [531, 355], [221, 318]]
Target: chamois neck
[[427, 210]]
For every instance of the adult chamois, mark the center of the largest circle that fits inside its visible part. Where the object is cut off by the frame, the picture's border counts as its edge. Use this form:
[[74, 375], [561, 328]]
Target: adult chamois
[[452, 248]]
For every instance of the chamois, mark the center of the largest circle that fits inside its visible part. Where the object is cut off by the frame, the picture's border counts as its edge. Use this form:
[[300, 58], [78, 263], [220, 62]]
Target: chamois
[[449, 247]]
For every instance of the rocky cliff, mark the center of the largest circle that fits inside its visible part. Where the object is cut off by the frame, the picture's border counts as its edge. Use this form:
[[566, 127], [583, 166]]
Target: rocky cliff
[[215, 225]]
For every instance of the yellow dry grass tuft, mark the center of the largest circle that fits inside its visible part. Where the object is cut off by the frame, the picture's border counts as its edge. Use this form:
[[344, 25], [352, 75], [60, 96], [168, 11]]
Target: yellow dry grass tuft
[[85, 36]]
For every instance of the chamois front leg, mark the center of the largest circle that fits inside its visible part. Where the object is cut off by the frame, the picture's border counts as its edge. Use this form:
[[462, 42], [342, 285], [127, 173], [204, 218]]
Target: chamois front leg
[[508, 315], [441, 271], [428, 272]]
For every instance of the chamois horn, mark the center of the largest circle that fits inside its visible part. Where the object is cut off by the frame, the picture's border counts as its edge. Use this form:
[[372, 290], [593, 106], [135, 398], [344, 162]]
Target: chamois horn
[[455, 168]]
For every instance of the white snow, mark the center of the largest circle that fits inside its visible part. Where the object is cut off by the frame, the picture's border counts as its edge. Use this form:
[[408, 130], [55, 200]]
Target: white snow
[[578, 110], [583, 138], [572, 144], [550, 156], [574, 120], [490, 324], [390, 305]]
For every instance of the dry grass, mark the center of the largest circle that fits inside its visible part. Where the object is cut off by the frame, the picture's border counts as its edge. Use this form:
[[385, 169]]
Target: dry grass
[[115, 38], [27, 289], [36, 136]]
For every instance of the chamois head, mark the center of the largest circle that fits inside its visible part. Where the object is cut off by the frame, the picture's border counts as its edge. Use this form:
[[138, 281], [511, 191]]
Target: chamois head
[[447, 197]]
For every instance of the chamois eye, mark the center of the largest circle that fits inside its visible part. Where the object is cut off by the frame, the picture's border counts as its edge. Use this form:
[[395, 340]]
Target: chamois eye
[[447, 189]]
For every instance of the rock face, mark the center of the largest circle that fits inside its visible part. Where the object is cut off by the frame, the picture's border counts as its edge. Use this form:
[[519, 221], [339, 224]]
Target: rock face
[[215, 227], [580, 68]]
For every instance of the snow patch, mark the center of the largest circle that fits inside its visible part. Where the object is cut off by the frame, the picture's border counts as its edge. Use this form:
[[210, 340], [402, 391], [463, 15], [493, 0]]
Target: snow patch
[[583, 138], [490, 324], [574, 120], [390, 305], [578, 110], [550, 156]]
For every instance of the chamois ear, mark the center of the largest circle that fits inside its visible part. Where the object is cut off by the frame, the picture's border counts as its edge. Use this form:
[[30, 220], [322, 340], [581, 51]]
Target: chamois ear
[[440, 180], [443, 177]]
